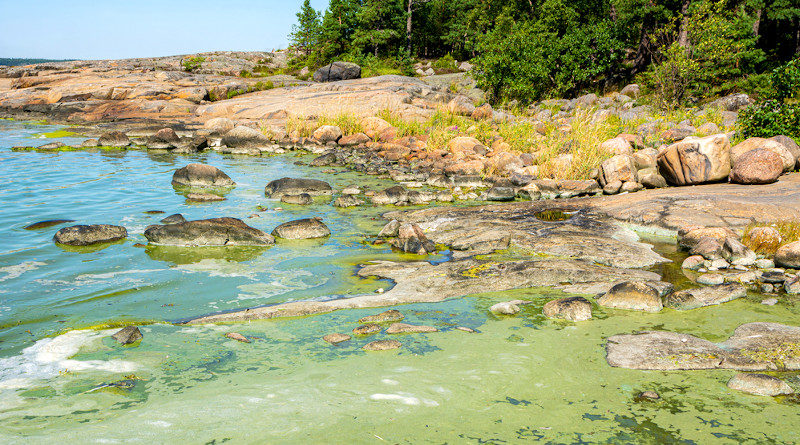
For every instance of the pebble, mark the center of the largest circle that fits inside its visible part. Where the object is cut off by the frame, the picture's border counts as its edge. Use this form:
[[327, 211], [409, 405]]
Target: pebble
[[650, 395], [770, 301], [336, 338], [711, 279], [238, 337], [465, 329], [366, 329]]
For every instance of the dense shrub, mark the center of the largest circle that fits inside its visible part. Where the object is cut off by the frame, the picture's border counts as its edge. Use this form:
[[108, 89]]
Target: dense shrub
[[771, 118], [193, 63]]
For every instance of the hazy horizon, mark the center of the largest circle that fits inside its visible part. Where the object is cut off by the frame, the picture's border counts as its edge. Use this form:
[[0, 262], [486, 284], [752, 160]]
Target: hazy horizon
[[146, 29]]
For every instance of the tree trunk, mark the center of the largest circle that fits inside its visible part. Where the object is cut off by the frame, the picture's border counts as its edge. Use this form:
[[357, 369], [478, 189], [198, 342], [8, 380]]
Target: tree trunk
[[683, 32], [757, 22], [797, 38], [408, 27]]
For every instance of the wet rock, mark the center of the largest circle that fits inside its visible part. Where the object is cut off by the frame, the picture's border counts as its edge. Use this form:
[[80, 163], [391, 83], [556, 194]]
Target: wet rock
[[48, 223], [693, 262], [737, 253], [788, 255], [128, 335], [705, 296], [696, 160], [788, 160], [173, 219], [382, 345], [711, 279], [204, 197], [163, 139], [759, 166], [237, 336], [324, 160], [404, 328], [649, 395], [335, 339], [344, 201], [51, 146], [86, 235], [390, 230], [90, 143], [302, 229], [707, 247], [301, 199], [208, 232], [501, 194], [392, 195], [337, 71], [571, 308], [295, 186], [759, 384], [367, 329], [327, 133], [383, 317], [507, 307], [637, 296], [114, 139], [201, 175], [691, 235], [245, 137]]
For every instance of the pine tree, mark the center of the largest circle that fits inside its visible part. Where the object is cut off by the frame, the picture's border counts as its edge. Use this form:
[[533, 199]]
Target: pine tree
[[305, 35]]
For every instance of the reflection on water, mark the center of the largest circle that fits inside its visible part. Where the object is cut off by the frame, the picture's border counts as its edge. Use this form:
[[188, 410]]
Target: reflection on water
[[516, 379]]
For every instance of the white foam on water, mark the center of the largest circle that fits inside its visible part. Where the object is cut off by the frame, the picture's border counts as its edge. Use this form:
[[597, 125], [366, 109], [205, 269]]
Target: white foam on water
[[390, 382], [160, 423], [17, 270], [404, 399], [220, 268], [49, 356]]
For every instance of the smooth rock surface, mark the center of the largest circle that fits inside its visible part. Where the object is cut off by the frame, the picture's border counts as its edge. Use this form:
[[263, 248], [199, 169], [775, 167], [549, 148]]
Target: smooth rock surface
[[86, 235], [208, 232]]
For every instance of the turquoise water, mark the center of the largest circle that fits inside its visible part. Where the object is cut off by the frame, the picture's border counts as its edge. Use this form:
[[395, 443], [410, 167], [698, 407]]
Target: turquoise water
[[517, 379]]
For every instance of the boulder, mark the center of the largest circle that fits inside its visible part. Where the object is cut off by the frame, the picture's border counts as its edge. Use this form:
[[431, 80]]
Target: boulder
[[219, 125], [173, 219], [461, 105], [651, 179], [208, 232], [646, 158], [505, 308], [763, 239], [737, 253], [128, 335], [90, 143], [114, 139], [696, 160], [337, 71], [201, 175], [704, 296], [676, 134], [382, 345], [392, 195], [327, 133], [693, 262], [367, 329], [354, 139], [163, 139], [617, 146], [632, 295], [411, 238], [708, 248], [790, 145], [748, 145], [335, 339], [295, 186], [390, 230], [631, 90], [631, 187], [323, 160], [302, 229], [690, 235], [301, 199], [405, 328], [787, 255], [374, 127], [245, 137], [484, 112], [501, 194], [86, 235], [344, 201], [383, 317], [51, 146], [571, 308], [47, 223], [617, 168], [732, 102], [759, 384]]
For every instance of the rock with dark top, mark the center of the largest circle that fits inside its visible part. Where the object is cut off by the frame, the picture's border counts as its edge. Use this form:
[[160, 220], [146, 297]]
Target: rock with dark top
[[337, 71], [383, 317], [114, 139], [501, 194], [90, 143], [173, 219], [295, 186], [704, 296], [86, 235], [788, 255], [48, 223], [208, 232], [302, 229], [392, 195], [163, 139], [571, 308], [759, 384], [301, 199], [324, 160], [51, 146], [382, 345], [128, 335], [632, 295], [201, 175], [367, 329]]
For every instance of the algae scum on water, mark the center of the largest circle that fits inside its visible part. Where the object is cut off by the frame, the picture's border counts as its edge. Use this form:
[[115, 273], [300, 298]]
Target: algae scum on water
[[514, 379]]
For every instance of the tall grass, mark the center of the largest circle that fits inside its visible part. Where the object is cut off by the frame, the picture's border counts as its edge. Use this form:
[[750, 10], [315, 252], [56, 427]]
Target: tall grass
[[789, 230]]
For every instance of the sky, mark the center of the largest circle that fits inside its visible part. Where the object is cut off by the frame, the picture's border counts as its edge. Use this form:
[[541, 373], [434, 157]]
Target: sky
[[117, 29]]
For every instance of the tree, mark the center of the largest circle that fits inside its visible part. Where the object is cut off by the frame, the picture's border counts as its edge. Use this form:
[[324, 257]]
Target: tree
[[305, 35], [379, 26], [338, 25]]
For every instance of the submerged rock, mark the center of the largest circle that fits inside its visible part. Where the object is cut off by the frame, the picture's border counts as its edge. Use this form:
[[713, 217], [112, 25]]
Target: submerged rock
[[208, 232], [571, 308], [632, 295], [295, 186], [301, 199], [336, 338], [114, 139], [345, 200], [392, 195], [173, 219], [382, 345], [507, 307], [48, 223], [237, 336], [366, 329], [201, 175], [86, 235], [302, 229], [704, 296], [383, 317], [204, 197], [128, 335], [759, 384], [404, 328]]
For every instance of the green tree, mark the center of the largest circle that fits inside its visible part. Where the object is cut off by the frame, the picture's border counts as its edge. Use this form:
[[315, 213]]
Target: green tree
[[380, 26], [338, 25], [306, 33]]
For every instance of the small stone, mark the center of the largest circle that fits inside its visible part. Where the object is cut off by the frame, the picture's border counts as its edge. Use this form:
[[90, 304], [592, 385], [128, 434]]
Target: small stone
[[465, 329], [237, 336], [632, 295], [769, 301], [711, 279], [351, 190], [337, 338], [693, 262], [767, 288], [128, 335], [404, 328], [649, 395], [719, 264], [301, 199], [571, 308], [366, 329], [759, 384], [382, 345], [505, 308], [383, 317], [792, 286]]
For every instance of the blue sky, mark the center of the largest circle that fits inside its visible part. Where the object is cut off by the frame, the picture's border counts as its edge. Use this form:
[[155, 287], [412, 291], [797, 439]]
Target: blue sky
[[115, 29]]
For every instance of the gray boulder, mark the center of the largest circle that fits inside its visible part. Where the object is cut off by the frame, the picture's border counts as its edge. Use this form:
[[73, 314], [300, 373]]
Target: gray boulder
[[301, 199], [114, 139], [208, 232], [86, 235], [302, 229], [704, 296], [128, 335], [201, 175], [337, 71], [295, 186], [571, 308]]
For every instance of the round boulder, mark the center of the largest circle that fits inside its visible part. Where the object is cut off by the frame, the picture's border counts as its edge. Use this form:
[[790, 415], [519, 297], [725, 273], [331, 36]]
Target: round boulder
[[295, 186], [245, 137], [763, 239], [759, 166], [632, 295], [787, 255], [302, 229], [114, 139], [201, 175], [327, 133], [208, 232], [86, 235], [572, 309]]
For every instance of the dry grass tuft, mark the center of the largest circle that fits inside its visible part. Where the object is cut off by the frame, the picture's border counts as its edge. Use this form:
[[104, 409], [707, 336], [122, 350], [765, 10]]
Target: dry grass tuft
[[789, 230]]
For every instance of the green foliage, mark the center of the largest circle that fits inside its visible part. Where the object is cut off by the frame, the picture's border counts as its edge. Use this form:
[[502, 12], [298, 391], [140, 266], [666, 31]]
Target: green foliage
[[771, 118], [193, 63], [786, 81], [446, 63], [306, 34], [380, 26]]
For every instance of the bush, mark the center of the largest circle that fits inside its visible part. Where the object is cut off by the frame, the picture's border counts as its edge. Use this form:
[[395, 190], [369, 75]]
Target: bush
[[770, 118], [446, 64], [193, 63], [786, 81]]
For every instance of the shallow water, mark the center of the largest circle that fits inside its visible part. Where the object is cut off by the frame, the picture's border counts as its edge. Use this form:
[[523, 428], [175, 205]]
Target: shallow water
[[517, 379]]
